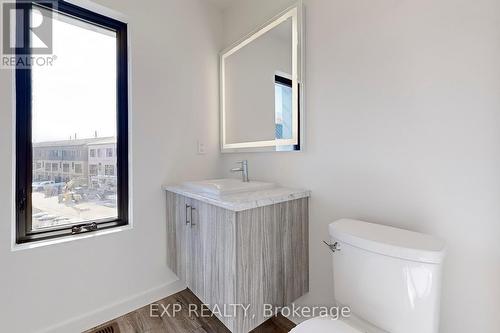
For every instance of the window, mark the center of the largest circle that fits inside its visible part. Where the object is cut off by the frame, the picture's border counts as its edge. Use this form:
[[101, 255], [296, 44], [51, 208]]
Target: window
[[92, 152], [78, 168], [109, 170], [283, 107], [59, 108], [92, 170], [109, 152]]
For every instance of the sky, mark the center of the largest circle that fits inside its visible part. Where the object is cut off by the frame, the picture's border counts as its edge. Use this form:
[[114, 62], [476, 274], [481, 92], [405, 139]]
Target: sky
[[77, 95]]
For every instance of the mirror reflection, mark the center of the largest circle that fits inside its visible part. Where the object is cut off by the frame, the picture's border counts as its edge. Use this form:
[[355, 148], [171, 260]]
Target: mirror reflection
[[257, 82]]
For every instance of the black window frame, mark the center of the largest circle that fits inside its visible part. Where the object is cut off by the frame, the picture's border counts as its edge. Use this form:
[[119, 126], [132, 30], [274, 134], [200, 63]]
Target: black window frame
[[24, 149]]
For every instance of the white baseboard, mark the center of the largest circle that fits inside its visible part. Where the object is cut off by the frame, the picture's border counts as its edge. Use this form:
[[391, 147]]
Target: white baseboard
[[109, 312]]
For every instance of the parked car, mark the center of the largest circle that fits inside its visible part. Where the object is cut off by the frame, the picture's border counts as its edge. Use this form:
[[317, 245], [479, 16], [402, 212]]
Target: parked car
[[40, 186], [53, 189]]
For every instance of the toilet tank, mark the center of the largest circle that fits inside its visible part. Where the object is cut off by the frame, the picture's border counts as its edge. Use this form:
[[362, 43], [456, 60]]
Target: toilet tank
[[389, 277]]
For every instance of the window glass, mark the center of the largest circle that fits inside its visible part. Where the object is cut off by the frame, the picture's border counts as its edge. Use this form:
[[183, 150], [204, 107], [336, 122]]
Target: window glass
[[73, 107], [283, 107]]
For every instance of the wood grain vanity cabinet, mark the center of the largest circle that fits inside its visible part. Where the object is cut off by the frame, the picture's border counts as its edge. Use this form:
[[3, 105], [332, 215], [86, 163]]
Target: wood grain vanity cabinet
[[252, 257]]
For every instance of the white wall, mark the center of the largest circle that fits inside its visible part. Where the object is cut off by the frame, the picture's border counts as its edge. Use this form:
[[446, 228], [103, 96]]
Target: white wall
[[174, 103], [402, 128]]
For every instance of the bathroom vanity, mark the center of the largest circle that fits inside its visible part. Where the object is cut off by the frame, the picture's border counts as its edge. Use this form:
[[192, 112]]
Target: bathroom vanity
[[247, 246]]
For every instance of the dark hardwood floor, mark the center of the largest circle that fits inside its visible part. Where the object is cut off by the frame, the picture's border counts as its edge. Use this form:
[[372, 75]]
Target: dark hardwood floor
[[140, 320]]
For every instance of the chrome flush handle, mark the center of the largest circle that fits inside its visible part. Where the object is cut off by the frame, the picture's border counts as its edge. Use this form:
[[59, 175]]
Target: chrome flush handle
[[333, 247]]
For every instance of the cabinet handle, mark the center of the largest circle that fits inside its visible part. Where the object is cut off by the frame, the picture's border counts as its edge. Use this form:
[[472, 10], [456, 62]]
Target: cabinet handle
[[188, 207], [192, 208]]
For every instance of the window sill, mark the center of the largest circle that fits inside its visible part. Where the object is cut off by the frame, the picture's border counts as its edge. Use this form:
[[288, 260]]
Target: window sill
[[33, 245]]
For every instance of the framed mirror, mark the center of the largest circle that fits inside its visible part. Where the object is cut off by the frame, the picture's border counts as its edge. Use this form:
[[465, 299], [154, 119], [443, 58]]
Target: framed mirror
[[261, 86]]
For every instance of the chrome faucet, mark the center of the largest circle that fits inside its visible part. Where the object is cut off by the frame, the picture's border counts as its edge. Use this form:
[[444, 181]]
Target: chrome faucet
[[243, 169]]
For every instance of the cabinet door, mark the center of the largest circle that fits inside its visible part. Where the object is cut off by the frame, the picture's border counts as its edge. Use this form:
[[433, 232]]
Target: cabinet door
[[177, 233], [212, 255]]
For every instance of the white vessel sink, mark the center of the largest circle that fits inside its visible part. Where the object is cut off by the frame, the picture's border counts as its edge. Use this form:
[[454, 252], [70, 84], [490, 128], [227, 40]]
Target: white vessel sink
[[227, 186]]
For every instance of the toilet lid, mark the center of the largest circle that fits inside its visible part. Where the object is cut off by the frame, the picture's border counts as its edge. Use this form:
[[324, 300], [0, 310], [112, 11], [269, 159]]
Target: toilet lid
[[324, 325]]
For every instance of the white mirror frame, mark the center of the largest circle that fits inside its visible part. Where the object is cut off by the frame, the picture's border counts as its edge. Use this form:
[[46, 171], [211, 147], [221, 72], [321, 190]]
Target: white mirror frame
[[295, 13]]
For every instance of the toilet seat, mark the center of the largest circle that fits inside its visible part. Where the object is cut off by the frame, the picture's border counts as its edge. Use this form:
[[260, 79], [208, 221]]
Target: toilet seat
[[324, 325]]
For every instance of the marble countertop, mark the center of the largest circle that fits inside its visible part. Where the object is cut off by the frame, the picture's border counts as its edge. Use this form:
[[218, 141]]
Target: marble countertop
[[244, 200]]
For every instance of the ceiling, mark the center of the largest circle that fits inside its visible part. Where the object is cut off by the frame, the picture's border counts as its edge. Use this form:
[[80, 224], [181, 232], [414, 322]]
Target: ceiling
[[223, 4]]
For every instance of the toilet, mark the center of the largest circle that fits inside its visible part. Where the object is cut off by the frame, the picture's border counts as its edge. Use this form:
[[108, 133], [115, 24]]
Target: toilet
[[389, 277]]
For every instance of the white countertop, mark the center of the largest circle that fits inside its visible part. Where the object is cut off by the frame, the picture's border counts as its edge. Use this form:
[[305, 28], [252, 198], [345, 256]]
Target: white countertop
[[244, 200]]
